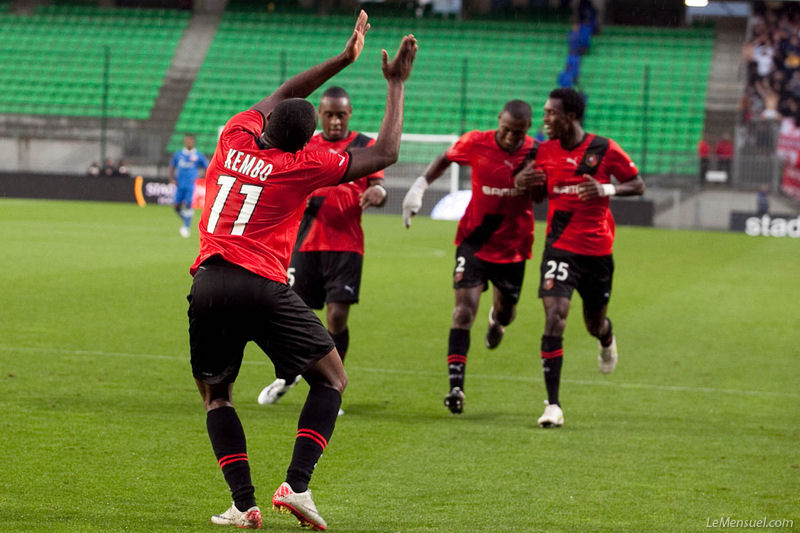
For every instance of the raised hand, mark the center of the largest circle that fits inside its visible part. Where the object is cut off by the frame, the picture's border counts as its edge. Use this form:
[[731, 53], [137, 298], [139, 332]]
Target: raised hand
[[355, 44], [400, 67]]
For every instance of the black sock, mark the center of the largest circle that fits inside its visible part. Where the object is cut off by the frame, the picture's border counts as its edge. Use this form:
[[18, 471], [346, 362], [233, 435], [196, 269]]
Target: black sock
[[606, 339], [342, 341], [228, 441], [314, 429], [457, 349], [552, 358]]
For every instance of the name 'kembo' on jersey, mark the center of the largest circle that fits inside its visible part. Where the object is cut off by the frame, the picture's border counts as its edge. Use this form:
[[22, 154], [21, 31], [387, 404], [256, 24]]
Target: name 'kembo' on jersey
[[243, 163], [250, 165]]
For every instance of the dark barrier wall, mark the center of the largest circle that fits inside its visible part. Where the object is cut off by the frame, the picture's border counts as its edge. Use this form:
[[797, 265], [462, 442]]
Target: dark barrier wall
[[66, 187], [635, 212]]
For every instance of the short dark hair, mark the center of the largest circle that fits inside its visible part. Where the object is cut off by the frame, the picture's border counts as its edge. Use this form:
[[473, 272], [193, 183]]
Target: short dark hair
[[335, 92], [518, 109], [571, 101], [291, 124]]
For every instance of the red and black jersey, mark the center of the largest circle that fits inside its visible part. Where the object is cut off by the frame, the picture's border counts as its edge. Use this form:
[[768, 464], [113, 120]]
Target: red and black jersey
[[581, 227], [332, 219], [255, 197], [498, 221]]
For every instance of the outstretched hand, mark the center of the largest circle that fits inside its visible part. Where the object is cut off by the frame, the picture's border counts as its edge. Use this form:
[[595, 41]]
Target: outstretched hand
[[400, 67], [355, 44]]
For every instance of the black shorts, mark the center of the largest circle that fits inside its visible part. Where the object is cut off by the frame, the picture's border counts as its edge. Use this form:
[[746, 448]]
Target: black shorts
[[471, 271], [229, 306], [319, 277], [563, 272]]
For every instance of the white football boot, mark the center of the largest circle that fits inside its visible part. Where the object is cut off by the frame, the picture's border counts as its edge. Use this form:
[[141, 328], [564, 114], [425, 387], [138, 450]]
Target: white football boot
[[250, 519], [275, 390], [607, 358], [553, 416], [300, 505]]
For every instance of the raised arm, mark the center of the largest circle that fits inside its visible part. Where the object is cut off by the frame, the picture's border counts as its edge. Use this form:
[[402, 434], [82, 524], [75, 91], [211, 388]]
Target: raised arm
[[303, 84], [387, 145]]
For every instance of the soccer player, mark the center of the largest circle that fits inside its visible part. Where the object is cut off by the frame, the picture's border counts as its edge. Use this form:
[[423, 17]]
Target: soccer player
[[494, 236], [577, 168], [187, 166], [257, 184], [326, 262]]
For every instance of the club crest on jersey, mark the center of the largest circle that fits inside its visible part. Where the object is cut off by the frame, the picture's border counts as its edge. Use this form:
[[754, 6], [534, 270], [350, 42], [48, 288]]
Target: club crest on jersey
[[591, 160], [548, 284]]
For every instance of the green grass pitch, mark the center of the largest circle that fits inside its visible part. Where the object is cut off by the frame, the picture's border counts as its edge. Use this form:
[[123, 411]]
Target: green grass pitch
[[103, 430]]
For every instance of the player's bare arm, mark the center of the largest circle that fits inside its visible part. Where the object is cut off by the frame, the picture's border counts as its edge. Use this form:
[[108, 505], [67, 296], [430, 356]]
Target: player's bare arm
[[591, 188], [386, 149], [303, 84], [375, 194]]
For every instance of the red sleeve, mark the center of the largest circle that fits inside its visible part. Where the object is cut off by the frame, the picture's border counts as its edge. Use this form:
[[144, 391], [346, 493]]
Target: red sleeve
[[619, 163], [245, 126], [323, 169], [461, 150]]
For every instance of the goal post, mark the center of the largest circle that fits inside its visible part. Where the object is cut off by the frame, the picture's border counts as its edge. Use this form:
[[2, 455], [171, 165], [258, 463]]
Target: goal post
[[417, 151]]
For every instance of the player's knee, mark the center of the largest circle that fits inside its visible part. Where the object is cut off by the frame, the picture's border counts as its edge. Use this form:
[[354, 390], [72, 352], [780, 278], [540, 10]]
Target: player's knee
[[596, 327], [463, 317], [505, 314], [556, 320], [338, 382]]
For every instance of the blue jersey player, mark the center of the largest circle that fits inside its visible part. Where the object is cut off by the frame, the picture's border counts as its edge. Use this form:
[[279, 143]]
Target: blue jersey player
[[187, 166]]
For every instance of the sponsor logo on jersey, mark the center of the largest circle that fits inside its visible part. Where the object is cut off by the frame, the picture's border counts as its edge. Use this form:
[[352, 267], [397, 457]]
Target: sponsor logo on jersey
[[572, 161], [566, 189], [499, 191]]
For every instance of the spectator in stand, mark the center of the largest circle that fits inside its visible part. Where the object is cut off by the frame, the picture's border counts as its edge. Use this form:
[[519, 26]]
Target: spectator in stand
[[93, 170], [762, 201], [122, 170], [704, 153], [769, 100], [109, 168], [724, 152], [763, 53]]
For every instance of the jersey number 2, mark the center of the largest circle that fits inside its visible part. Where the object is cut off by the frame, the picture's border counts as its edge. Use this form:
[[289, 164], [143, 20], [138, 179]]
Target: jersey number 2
[[251, 194]]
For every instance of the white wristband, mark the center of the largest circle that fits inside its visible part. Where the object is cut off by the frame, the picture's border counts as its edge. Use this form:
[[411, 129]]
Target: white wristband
[[421, 183], [383, 191], [609, 189]]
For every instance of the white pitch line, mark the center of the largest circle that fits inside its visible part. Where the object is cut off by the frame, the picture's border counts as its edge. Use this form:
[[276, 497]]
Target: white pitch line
[[523, 379]]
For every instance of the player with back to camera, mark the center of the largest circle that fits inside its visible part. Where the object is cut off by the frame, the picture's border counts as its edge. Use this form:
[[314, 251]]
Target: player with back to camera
[[494, 237], [256, 187], [576, 168], [186, 167], [327, 259]]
